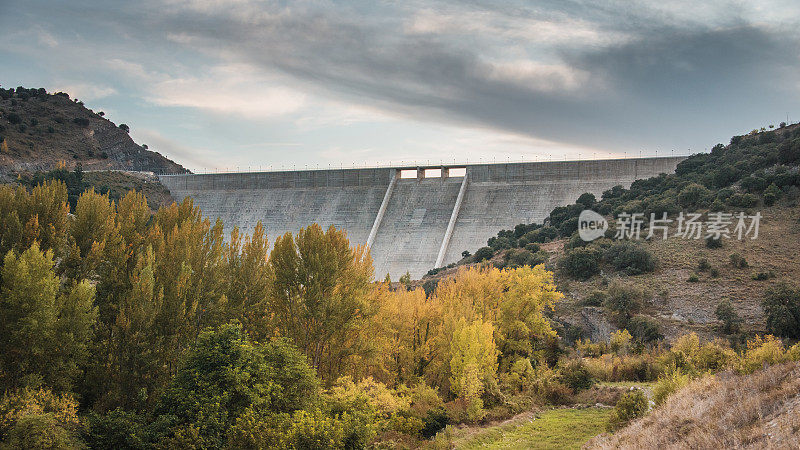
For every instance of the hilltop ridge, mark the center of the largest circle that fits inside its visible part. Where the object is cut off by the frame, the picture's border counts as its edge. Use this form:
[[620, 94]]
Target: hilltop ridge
[[39, 130]]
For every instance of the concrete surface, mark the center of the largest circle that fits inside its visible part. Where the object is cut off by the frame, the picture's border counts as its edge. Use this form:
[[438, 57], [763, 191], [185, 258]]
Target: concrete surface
[[412, 230]]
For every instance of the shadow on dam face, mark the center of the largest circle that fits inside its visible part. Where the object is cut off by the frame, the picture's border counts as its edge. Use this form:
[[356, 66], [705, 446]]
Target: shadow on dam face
[[412, 222]]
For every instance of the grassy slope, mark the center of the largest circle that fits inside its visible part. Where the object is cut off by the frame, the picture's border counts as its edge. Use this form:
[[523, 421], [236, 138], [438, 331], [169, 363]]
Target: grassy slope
[[555, 428], [761, 410]]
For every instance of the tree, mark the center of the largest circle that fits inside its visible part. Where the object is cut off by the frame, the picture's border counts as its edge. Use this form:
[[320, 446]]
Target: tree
[[226, 377], [44, 330], [321, 297], [581, 263], [782, 307], [38, 418], [586, 200], [726, 313], [473, 362], [124, 128]]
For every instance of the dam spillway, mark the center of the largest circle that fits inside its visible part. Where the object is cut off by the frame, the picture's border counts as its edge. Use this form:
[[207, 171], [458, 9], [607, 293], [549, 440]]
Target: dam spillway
[[413, 221]]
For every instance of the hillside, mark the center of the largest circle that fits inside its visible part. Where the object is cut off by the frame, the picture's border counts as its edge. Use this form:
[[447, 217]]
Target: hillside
[[759, 410], [40, 129], [683, 280]]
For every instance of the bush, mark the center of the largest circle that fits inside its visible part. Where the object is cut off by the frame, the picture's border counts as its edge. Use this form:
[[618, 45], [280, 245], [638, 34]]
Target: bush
[[782, 307], [124, 128], [743, 200], [14, 119], [738, 261], [644, 329], [483, 254], [726, 313], [761, 276], [37, 418], [225, 376], [693, 278], [772, 194], [581, 263], [712, 242], [595, 298], [116, 429], [435, 420], [631, 405], [703, 265], [631, 258], [693, 196], [623, 301], [575, 376], [81, 121], [668, 384], [586, 200]]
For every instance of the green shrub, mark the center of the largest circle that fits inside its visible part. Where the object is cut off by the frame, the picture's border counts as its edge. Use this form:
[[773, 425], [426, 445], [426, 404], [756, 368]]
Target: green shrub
[[726, 313], [435, 420], [693, 278], [693, 196], [575, 376], [712, 242], [631, 258], [38, 418], [761, 276], [772, 194], [225, 375], [630, 406], [743, 200], [623, 301], [644, 329], [116, 429], [483, 254], [782, 307], [703, 265], [596, 298], [581, 263], [738, 261]]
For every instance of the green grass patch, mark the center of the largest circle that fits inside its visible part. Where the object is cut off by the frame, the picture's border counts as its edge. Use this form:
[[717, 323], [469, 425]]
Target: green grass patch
[[552, 429]]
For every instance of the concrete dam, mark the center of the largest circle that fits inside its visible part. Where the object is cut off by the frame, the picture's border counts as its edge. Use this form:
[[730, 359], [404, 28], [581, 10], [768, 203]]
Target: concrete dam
[[412, 218]]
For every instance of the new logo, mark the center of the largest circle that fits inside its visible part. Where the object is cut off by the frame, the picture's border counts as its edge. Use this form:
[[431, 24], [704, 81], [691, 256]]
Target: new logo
[[591, 225]]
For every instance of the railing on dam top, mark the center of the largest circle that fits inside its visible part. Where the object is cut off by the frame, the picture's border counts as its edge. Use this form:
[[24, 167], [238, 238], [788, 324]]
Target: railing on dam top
[[430, 164]]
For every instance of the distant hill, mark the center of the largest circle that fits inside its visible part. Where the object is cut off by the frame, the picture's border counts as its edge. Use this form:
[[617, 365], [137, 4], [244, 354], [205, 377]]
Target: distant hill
[[38, 130]]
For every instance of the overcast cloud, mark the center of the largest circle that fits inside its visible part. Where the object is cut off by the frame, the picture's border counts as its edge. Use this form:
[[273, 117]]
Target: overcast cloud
[[261, 83]]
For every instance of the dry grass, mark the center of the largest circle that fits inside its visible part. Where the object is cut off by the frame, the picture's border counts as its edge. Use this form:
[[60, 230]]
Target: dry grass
[[683, 307], [761, 410]]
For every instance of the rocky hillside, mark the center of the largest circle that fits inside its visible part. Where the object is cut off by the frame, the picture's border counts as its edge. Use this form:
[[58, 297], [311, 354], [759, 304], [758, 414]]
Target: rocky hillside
[[38, 130]]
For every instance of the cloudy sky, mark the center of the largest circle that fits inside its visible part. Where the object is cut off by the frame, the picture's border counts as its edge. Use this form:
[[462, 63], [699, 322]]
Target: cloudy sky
[[248, 83]]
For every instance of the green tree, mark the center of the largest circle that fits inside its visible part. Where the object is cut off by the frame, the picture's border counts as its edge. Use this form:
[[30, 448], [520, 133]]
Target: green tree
[[782, 307], [226, 376], [726, 313], [44, 330]]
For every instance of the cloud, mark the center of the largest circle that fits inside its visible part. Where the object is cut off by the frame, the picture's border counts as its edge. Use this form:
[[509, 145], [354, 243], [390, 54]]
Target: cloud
[[84, 91], [230, 89], [186, 155], [612, 76]]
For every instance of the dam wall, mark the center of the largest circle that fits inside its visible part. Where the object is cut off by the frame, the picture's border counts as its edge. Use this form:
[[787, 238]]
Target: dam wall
[[410, 232]]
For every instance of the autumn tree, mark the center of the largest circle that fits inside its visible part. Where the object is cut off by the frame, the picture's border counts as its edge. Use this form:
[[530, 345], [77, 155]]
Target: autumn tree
[[321, 296]]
